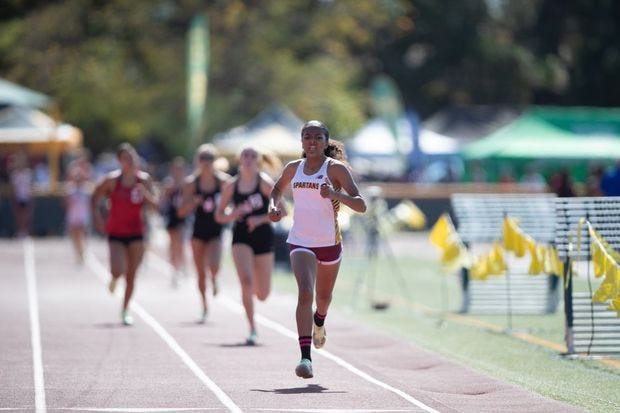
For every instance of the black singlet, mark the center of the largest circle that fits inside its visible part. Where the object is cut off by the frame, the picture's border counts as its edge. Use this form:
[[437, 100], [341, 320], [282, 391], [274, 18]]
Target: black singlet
[[205, 227], [261, 239]]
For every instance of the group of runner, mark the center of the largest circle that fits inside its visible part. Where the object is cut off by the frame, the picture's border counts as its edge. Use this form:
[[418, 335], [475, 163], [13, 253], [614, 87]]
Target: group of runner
[[249, 201]]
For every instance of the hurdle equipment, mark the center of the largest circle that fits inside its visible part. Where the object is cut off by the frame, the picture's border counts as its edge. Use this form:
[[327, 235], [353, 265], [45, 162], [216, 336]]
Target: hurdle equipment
[[592, 328], [479, 219]]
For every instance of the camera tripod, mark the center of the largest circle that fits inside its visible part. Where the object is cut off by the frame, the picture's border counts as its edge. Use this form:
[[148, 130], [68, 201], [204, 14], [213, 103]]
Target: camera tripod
[[377, 246]]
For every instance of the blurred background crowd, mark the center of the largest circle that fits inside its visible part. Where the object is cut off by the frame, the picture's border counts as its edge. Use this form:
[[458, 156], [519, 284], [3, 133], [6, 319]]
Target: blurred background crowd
[[429, 97]]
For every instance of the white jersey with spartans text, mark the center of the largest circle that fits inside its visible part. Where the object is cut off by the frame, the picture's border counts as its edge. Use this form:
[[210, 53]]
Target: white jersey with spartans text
[[315, 219]]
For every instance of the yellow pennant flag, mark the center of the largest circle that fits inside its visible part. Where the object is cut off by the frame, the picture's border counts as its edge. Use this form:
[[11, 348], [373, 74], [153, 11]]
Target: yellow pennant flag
[[409, 213], [480, 269], [441, 231], [556, 266], [609, 288], [598, 258], [520, 245], [508, 234], [615, 305], [537, 254], [496, 262]]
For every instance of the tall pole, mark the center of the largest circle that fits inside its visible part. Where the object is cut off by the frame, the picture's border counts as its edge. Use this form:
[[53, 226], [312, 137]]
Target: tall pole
[[386, 103], [198, 50]]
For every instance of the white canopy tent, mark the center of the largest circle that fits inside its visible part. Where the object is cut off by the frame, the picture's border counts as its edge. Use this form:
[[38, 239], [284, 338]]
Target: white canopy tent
[[23, 128], [275, 139], [374, 150], [276, 130], [16, 95]]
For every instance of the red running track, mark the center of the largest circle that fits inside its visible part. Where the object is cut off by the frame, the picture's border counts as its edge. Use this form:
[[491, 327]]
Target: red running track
[[64, 349]]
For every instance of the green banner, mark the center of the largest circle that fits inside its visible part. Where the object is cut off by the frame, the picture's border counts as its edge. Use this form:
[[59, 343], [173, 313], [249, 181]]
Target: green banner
[[197, 79], [385, 101]]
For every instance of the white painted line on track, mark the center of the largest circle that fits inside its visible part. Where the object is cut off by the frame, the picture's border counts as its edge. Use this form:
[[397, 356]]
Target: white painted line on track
[[238, 308], [103, 274], [336, 410], [35, 329], [138, 409], [235, 306], [121, 409]]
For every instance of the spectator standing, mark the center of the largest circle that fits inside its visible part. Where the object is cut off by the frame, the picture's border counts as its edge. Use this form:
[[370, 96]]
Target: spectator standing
[[21, 184], [610, 182], [594, 180], [562, 185], [78, 190]]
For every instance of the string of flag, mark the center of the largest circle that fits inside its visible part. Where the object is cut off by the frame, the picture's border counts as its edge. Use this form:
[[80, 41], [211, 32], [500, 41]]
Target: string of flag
[[544, 258]]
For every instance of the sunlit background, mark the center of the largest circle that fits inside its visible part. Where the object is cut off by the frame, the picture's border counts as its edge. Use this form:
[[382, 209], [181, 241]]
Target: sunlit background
[[432, 94]]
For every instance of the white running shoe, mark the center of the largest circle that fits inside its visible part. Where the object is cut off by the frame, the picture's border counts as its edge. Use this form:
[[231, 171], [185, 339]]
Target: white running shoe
[[126, 319], [319, 336], [304, 369], [112, 285], [251, 340], [203, 316]]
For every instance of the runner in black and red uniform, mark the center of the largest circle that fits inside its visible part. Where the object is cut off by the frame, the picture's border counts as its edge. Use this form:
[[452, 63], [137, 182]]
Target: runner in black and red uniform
[[128, 191], [201, 192]]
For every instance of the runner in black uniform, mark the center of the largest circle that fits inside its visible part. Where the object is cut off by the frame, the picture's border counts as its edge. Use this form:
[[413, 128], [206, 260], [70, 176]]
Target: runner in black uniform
[[200, 194], [252, 233], [260, 240], [205, 226], [170, 202]]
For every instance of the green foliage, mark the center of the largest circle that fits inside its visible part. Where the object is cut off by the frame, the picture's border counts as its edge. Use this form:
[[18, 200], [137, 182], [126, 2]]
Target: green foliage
[[308, 55], [117, 68]]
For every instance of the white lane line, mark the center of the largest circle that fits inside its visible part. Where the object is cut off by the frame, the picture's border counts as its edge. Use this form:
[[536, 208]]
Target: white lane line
[[138, 409], [121, 409], [202, 409], [104, 275], [35, 329], [238, 308], [336, 410], [235, 306]]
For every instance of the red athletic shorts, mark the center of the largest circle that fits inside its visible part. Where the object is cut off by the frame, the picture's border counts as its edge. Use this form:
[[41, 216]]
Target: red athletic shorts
[[324, 255]]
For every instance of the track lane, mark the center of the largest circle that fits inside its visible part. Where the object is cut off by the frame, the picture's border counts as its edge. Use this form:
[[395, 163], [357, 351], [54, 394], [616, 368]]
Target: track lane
[[107, 366], [16, 365], [259, 377], [91, 360]]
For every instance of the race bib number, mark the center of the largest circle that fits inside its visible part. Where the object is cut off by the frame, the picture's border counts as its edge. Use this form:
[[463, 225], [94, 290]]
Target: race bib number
[[136, 196], [256, 201], [208, 205]]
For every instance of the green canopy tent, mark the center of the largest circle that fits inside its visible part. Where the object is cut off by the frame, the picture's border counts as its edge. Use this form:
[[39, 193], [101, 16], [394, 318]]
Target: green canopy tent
[[566, 136]]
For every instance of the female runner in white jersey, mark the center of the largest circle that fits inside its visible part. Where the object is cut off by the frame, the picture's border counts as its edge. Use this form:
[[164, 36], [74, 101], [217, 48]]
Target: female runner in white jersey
[[314, 239]]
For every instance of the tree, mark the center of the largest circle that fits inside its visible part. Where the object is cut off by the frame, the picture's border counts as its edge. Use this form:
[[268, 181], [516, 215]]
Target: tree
[[124, 78]]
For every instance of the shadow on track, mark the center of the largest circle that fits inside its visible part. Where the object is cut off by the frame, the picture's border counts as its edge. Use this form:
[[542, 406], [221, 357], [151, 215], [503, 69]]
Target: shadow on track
[[310, 388], [240, 344], [109, 325]]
